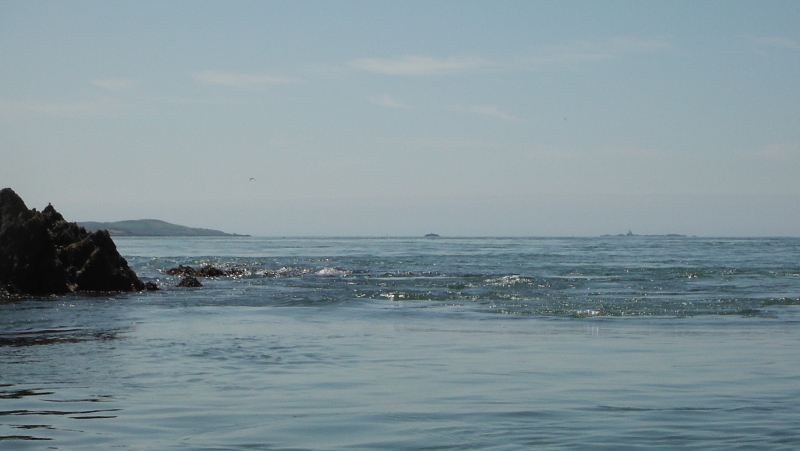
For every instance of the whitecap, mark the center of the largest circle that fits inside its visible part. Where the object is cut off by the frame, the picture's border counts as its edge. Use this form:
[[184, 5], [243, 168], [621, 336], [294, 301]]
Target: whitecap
[[333, 271]]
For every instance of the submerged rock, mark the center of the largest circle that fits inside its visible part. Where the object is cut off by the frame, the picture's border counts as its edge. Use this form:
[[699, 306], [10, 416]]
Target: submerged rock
[[211, 271], [182, 271], [205, 271], [189, 282], [42, 253]]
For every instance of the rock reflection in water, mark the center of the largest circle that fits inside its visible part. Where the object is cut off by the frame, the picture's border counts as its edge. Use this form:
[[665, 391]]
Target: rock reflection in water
[[58, 335]]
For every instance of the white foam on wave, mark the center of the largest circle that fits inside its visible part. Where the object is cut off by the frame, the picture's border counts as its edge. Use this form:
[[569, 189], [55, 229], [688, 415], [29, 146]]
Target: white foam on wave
[[284, 271], [588, 313], [333, 271], [512, 279]]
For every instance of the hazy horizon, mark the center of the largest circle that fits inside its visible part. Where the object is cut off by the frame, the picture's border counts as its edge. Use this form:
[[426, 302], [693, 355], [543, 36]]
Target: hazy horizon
[[460, 118]]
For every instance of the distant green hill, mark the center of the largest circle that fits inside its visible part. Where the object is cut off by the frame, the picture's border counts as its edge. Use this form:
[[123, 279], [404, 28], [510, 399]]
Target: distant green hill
[[150, 227]]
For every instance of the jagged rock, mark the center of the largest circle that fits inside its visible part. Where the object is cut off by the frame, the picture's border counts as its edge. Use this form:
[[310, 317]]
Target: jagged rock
[[28, 259], [41, 253], [189, 282]]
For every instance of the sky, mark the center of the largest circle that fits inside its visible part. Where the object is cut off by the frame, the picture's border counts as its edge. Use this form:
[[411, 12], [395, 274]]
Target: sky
[[401, 118]]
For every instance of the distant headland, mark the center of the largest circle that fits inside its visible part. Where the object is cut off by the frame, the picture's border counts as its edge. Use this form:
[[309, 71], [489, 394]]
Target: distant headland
[[150, 227]]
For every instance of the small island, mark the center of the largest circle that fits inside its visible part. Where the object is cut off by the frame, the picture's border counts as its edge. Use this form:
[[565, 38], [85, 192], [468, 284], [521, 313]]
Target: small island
[[670, 235], [150, 227]]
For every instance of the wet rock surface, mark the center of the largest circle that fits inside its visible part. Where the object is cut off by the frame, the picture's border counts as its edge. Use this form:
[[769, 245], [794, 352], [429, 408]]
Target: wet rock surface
[[190, 274], [41, 253], [181, 270], [205, 271], [189, 282], [211, 271]]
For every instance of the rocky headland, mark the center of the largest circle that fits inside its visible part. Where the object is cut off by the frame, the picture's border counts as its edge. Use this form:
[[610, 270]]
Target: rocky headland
[[41, 253]]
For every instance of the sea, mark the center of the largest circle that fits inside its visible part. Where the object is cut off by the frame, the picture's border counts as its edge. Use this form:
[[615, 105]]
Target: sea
[[422, 343]]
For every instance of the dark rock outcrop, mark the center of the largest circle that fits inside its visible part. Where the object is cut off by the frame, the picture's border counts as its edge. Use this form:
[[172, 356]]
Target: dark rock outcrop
[[205, 271], [189, 282], [41, 253], [190, 274], [211, 271], [182, 271]]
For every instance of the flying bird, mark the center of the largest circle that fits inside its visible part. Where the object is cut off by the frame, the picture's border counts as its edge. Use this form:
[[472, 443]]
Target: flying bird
[[251, 179]]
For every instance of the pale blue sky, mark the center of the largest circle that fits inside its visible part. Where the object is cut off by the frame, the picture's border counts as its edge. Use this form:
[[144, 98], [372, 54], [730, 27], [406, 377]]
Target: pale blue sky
[[402, 118]]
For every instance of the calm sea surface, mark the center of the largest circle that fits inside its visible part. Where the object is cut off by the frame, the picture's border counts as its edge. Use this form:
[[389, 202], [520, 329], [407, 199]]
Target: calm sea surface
[[417, 344]]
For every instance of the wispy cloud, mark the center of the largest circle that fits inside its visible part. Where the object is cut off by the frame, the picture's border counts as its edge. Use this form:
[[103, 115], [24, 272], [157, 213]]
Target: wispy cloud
[[388, 101], [418, 65], [762, 44], [774, 152], [115, 84], [239, 80], [487, 110], [211, 100], [577, 52], [452, 143], [59, 109]]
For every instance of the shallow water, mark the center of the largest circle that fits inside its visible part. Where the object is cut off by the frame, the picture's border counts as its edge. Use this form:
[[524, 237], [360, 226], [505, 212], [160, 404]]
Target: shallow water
[[396, 344]]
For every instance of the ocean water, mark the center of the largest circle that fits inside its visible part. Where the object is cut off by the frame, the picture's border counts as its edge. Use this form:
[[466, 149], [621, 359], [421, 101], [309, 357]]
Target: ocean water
[[417, 344]]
